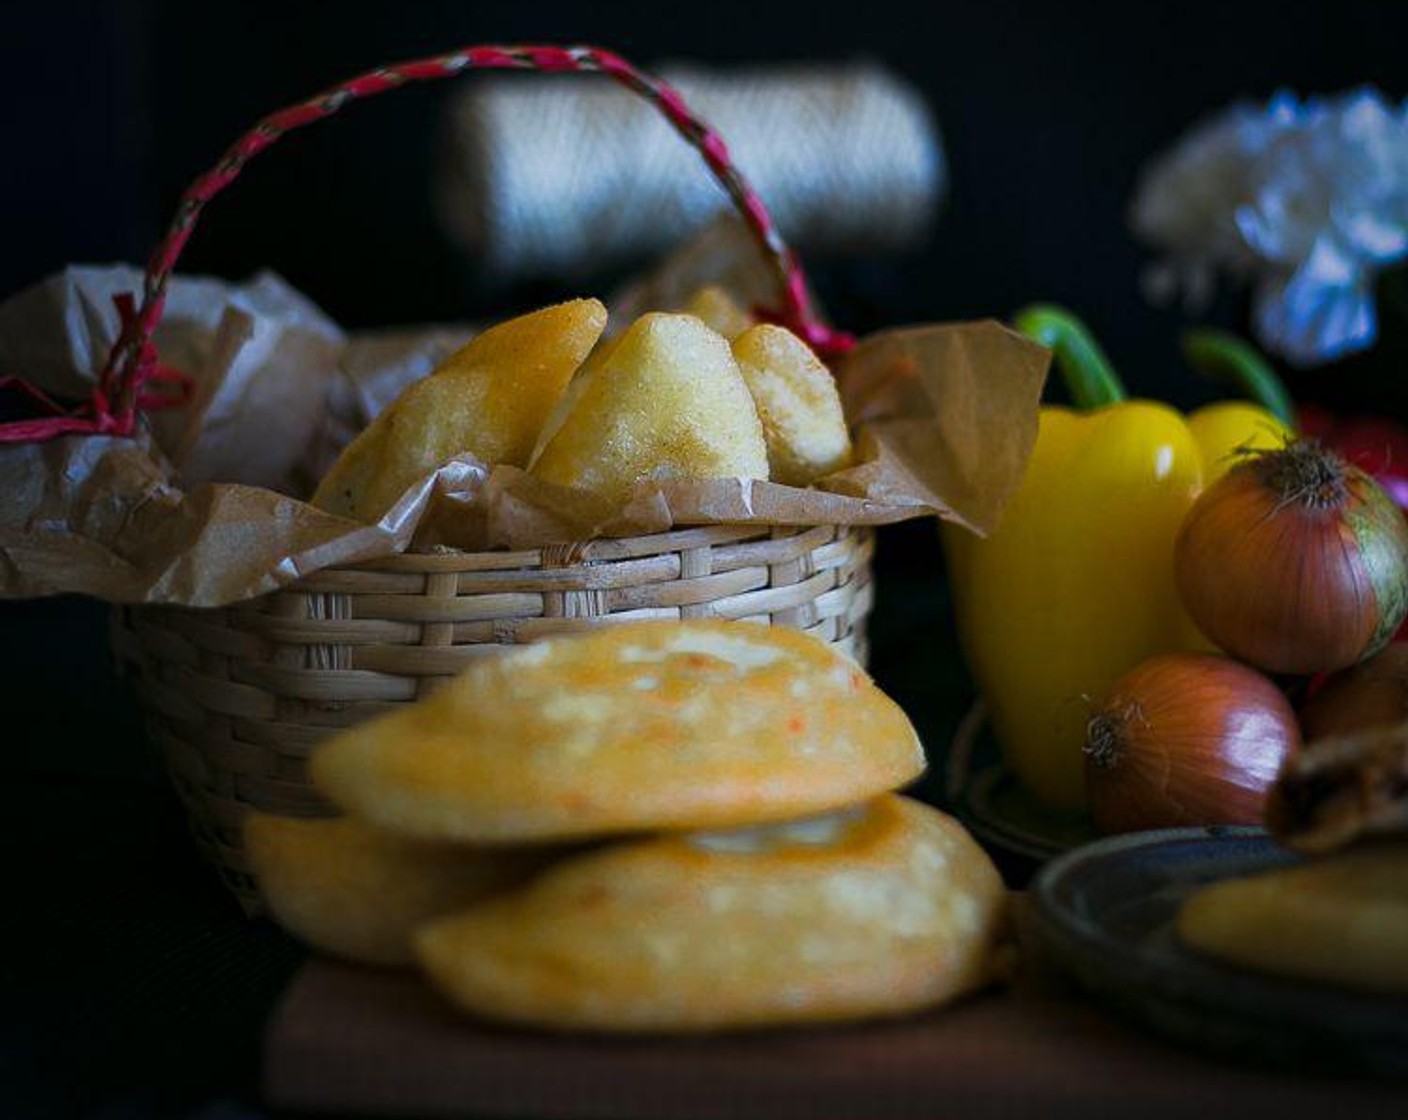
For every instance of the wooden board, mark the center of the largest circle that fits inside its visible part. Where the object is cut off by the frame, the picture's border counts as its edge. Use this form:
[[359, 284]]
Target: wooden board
[[357, 1042]]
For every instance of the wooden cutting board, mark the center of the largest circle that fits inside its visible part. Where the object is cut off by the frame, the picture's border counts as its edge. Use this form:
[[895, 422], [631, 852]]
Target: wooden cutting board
[[358, 1042]]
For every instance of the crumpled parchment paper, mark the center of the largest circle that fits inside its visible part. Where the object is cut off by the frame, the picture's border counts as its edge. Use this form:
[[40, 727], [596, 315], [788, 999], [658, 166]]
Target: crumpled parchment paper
[[203, 507]]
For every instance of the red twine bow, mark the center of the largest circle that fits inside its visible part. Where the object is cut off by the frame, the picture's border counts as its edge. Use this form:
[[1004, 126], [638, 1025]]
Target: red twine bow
[[100, 414]]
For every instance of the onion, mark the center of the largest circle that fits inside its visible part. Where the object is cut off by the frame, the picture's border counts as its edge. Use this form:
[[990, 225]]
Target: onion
[[1371, 694], [1295, 561], [1186, 739]]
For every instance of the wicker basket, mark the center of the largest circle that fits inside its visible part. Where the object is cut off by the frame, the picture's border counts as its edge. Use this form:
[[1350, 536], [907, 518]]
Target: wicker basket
[[238, 697]]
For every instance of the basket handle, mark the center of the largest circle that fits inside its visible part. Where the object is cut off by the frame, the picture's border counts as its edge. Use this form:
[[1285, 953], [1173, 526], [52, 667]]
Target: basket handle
[[119, 394]]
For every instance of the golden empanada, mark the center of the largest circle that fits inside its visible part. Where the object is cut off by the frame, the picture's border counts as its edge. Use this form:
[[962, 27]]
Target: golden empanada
[[641, 726], [571, 395], [489, 399], [358, 893], [668, 401], [797, 403], [1341, 918], [882, 909], [719, 311]]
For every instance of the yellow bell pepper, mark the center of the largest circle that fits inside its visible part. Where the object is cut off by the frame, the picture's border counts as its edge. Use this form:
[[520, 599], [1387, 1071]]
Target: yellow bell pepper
[[1076, 584]]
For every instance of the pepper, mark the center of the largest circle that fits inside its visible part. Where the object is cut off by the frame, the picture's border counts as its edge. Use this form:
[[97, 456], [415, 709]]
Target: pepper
[[1076, 585]]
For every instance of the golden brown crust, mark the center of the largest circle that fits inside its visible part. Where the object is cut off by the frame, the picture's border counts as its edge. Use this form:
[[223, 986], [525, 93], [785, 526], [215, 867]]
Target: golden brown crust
[[358, 893], [797, 403], [882, 910], [489, 399], [1340, 919], [642, 726], [666, 401], [719, 311]]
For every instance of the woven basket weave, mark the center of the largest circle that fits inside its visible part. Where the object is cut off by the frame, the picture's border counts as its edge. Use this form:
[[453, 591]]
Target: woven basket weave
[[238, 697]]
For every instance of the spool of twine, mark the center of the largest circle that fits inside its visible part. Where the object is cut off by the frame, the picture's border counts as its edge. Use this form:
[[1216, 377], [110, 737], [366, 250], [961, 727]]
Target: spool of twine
[[569, 176]]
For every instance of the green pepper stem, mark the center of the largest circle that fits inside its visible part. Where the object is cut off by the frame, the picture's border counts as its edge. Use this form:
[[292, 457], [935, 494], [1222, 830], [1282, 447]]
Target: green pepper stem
[[1090, 378], [1233, 361]]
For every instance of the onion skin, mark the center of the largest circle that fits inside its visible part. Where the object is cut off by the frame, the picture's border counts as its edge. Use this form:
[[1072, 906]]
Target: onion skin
[[1373, 693], [1295, 561], [1186, 739]]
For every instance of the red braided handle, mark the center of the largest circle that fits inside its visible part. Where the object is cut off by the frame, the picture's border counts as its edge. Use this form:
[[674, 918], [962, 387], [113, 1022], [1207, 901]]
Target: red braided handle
[[132, 362]]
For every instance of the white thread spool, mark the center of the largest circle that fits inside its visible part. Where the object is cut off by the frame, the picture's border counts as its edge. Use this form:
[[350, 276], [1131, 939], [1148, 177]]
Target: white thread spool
[[570, 175]]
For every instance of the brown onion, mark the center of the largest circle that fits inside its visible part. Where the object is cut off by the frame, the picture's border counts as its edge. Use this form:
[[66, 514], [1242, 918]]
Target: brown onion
[[1373, 693], [1295, 561], [1186, 739]]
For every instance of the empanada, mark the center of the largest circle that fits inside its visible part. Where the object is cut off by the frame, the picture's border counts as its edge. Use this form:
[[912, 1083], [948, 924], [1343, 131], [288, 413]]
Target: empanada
[[719, 311], [879, 910], [641, 726], [1342, 919], [489, 399], [358, 893], [668, 401], [797, 403]]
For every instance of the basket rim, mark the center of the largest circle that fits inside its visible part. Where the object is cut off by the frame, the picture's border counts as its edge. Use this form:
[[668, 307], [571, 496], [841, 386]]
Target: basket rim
[[445, 559]]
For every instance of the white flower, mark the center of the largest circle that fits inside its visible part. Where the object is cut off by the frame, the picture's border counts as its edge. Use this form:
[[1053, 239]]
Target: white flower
[[1307, 200]]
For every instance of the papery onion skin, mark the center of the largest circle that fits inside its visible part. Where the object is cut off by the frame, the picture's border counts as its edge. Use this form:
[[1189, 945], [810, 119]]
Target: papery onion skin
[[1295, 561], [1373, 693], [1186, 739]]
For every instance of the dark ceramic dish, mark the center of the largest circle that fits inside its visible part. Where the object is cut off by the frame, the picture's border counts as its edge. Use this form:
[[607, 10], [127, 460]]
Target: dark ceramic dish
[[1105, 914]]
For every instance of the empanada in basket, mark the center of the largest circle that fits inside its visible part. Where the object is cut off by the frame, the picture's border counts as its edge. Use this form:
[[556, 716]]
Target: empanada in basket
[[489, 399], [667, 401]]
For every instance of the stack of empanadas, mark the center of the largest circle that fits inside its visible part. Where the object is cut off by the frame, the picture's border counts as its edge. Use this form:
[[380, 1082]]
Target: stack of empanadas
[[653, 826], [673, 396], [1342, 915]]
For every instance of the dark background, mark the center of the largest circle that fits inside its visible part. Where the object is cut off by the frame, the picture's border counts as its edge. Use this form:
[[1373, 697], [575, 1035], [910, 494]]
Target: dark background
[[1048, 112], [131, 987]]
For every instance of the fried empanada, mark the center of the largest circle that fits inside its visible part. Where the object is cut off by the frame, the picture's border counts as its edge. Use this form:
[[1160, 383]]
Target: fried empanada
[[630, 727], [797, 403], [1342, 919], [571, 395], [719, 311], [668, 401], [344, 489], [882, 909], [358, 893], [489, 399]]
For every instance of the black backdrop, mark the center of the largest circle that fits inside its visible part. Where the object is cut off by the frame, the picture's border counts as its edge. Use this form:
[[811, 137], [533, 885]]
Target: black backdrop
[[1047, 113]]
